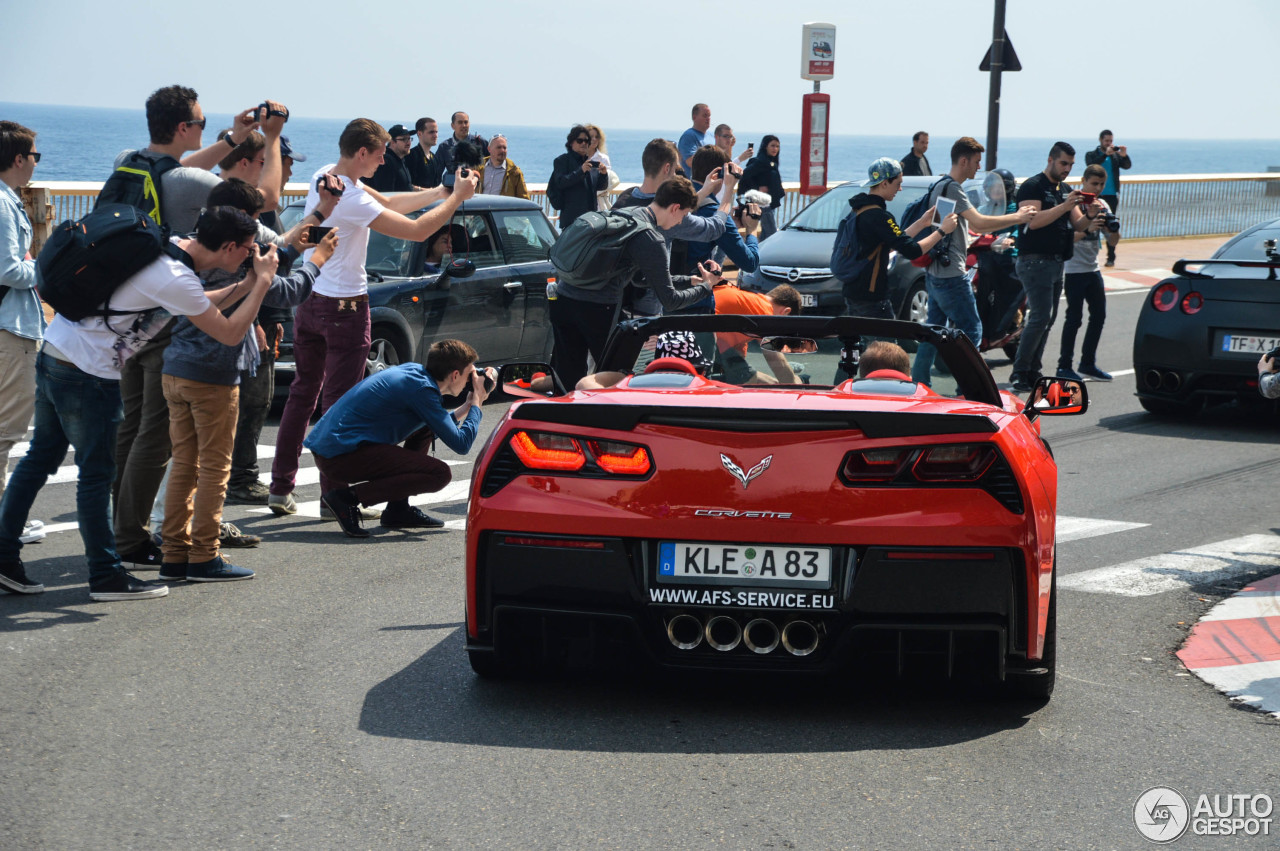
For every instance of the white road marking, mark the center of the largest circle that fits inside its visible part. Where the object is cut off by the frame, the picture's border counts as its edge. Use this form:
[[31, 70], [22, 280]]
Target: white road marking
[[1245, 605], [1253, 683], [1173, 571], [452, 492], [1079, 528]]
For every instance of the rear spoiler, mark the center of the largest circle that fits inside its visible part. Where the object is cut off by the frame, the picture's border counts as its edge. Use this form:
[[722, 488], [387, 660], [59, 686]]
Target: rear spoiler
[[1180, 268], [874, 424]]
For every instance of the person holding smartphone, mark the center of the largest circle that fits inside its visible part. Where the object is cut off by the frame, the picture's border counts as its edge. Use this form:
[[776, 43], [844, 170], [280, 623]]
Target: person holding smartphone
[[576, 178], [381, 432]]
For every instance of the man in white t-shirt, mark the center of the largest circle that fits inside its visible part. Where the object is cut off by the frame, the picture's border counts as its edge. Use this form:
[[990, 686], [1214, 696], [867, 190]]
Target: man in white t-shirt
[[78, 389], [331, 329]]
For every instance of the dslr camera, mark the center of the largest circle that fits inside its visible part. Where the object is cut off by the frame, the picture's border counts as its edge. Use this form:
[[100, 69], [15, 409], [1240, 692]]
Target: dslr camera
[[1111, 222]]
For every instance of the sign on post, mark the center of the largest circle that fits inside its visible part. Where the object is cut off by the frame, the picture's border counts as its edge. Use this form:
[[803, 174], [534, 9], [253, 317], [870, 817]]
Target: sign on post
[[817, 63], [818, 52]]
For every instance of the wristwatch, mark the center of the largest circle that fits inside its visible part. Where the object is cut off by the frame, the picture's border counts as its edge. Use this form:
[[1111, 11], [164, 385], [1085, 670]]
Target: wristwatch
[[234, 144]]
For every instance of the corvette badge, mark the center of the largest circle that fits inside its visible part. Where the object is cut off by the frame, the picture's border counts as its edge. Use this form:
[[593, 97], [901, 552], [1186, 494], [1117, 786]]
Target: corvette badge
[[746, 477]]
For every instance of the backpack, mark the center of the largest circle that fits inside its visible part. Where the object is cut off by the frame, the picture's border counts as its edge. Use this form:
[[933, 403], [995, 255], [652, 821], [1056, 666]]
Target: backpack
[[921, 205], [587, 254], [83, 263], [845, 264], [137, 183]]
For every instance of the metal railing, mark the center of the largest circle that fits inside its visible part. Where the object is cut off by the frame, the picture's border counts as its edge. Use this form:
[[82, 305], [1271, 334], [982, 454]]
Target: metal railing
[[1153, 206]]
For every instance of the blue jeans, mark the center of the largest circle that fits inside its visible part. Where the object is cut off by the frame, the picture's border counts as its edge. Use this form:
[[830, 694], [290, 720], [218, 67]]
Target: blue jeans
[[950, 299], [73, 408], [1041, 276]]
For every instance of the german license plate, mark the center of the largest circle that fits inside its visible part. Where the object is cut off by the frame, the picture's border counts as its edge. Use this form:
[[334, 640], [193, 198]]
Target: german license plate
[[744, 564], [1248, 343], [808, 300]]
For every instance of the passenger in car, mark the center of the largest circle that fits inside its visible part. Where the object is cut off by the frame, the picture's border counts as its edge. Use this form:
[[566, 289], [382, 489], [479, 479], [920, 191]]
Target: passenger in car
[[782, 300], [884, 359]]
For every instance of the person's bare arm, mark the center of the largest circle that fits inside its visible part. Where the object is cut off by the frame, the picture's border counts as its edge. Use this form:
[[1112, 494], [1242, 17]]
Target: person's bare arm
[[210, 155], [1044, 218], [399, 226], [981, 223], [230, 330], [273, 168], [779, 367], [407, 202]]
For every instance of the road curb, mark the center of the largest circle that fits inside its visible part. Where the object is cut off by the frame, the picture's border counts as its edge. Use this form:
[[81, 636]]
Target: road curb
[[1235, 647]]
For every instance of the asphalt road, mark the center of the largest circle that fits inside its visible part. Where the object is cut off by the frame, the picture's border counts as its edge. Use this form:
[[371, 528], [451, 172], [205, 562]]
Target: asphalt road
[[328, 703]]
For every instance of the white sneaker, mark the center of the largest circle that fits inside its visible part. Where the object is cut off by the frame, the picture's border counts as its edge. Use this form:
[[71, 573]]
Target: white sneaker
[[32, 532]]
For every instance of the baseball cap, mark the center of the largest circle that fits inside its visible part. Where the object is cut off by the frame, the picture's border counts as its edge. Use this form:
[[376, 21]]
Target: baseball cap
[[286, 150], [680, 344], [398, 130], [885, 168]]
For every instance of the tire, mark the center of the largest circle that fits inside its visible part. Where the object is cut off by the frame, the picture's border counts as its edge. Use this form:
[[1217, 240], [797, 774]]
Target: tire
[[386, 348], [915, 305], [488, 665], [1166, 408], [1038, 684]]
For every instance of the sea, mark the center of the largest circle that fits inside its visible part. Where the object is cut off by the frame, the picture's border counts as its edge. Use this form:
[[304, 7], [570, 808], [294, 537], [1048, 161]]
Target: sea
[[81, 143]]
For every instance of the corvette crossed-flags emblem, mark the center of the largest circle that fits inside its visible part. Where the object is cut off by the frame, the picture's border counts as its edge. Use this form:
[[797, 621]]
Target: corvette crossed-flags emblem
[[746, 477]]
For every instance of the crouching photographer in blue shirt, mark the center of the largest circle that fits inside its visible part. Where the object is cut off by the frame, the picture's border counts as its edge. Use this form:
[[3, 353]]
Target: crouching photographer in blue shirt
[[357, 442]]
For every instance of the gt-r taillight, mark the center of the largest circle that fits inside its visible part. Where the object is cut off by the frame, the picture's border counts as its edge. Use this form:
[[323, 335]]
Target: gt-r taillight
[[623, 459], [1192, 302], [961, 463], [1165, 297], [875, 465], [540, 451]]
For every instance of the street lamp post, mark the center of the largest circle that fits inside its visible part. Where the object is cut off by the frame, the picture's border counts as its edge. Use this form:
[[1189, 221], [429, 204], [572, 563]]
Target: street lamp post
[[997, 66]]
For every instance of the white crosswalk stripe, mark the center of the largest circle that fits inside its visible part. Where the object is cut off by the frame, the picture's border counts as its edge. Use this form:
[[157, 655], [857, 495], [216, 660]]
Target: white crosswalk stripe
[[1208, 564], [1079, 528]]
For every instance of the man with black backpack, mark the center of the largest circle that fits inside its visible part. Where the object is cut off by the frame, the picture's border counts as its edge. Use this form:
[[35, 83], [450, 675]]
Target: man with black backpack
[[78, 369], [950, 293], [585, 305], [869, 233]]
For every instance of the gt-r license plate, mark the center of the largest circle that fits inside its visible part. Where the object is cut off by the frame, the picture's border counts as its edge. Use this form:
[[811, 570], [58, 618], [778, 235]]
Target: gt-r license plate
[[808, 300], [764, 565], [1248, 343]]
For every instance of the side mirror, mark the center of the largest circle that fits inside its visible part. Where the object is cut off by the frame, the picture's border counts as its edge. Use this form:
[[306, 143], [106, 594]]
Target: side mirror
[[789, 345], [460, 268], [1057, 397], [529, 381]]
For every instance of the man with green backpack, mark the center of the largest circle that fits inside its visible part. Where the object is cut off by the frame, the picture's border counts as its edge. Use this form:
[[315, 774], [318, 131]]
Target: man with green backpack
[[598, 256]]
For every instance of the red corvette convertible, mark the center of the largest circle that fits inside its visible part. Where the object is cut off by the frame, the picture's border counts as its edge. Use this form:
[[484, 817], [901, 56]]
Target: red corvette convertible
[[802, 521]]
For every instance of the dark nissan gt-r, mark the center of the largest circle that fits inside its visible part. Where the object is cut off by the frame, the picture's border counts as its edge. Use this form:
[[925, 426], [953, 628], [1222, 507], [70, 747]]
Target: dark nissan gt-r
[[791, 526], [1201, 332]]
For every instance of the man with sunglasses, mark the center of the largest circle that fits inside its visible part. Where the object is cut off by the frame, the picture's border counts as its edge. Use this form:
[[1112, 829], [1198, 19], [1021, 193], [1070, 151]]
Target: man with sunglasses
[[21, 316], [575, 178]]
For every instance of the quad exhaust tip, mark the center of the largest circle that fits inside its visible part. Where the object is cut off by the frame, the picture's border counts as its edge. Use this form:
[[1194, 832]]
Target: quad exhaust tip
[[761, 636], [800, 638], [723, 633], [684, 632]]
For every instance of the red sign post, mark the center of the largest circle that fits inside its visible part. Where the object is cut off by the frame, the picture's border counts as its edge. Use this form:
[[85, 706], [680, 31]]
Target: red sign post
[[813, 144]]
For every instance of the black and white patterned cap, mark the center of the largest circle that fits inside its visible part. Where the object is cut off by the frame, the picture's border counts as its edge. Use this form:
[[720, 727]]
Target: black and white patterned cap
[[680, 344]]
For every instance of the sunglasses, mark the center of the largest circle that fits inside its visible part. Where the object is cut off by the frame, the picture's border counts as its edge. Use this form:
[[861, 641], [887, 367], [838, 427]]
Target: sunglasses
[[581, 141], [201, 123], [35, 156]]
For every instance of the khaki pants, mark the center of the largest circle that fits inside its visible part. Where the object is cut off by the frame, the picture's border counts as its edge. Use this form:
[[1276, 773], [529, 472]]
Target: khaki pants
[[17, 393], [202, 428]]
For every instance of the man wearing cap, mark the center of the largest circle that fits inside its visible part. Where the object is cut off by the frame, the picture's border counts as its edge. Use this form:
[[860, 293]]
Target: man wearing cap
[[499, 175], [950, 293], [393, 175], [424, 165], [878, 235]]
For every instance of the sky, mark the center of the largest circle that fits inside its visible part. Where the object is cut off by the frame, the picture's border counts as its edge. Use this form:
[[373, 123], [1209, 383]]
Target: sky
[[1148, 69]]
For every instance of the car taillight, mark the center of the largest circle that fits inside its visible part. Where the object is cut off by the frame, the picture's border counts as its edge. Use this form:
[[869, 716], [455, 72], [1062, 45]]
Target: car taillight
[[623, 459], [962, 463], [540, 451], [1192, 302], [875, 465], [1165, 296]]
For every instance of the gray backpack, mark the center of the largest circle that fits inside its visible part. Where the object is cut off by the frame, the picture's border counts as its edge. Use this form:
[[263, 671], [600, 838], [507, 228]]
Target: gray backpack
[[589, 254]]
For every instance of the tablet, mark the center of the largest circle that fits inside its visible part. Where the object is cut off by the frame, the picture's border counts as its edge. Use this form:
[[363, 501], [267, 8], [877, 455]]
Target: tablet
[[946, 206]]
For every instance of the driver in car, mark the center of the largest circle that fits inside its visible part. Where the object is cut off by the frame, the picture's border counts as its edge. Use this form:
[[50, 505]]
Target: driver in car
[[782, 300]]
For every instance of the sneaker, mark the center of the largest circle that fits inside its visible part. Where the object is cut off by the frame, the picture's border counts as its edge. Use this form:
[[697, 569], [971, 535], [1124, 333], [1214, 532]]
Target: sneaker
[[173, 572], [126, 586], [409, 517], [217, 570], [282, 504], [254, 493], [1095, 373], [342, 503], [229, 537], [1111, 261], [32, 532], [366, 513], [1023, 385], [13, 577], [146, 556], [1068, 372]]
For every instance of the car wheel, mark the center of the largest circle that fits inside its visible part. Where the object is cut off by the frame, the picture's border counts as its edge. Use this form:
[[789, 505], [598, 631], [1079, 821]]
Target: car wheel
[[1167, 408], [916, 305], [1037, 684], [385, 349], [488, 665]]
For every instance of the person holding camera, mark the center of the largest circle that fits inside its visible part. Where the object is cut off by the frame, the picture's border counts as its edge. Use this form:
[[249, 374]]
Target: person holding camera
[[576, 178], [1269, 374], [357, 443], [1112, 158], [1084, 280], [761, 173], [950, 293], [331, 328], [915, 162]]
